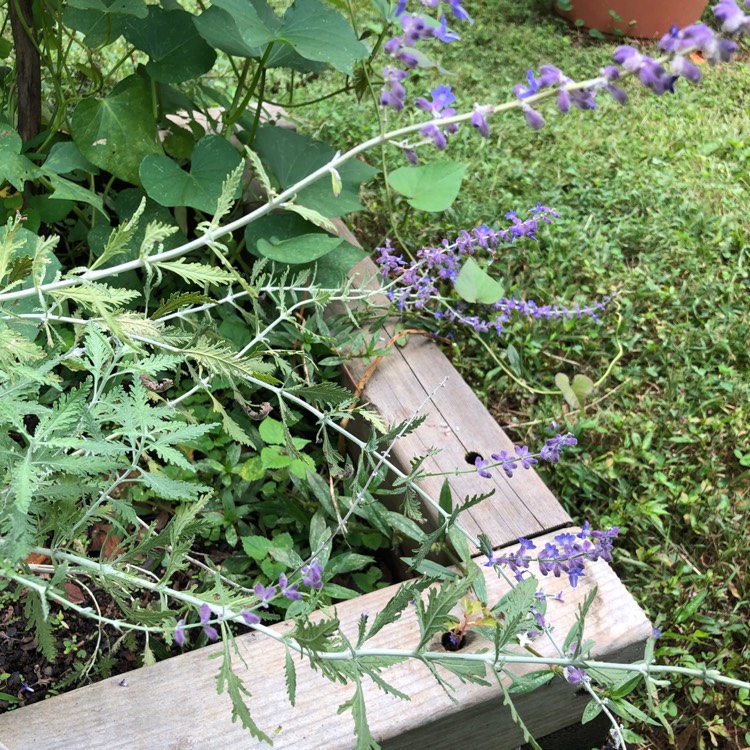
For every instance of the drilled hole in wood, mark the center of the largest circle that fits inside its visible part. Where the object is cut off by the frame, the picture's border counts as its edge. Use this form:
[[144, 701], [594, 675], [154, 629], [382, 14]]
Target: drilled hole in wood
[[450, 642], [472, 456]]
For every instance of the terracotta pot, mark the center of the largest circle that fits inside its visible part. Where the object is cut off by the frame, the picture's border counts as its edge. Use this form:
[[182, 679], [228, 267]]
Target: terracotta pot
[[640, 18]]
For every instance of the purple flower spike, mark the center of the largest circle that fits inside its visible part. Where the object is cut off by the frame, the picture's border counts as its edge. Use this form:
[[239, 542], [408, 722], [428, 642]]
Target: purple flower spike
[[179, 633], [312, 575]]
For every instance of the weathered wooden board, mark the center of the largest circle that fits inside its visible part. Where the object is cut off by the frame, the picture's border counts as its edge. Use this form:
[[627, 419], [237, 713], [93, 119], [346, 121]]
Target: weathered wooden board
[[174, 706], [457, 424]]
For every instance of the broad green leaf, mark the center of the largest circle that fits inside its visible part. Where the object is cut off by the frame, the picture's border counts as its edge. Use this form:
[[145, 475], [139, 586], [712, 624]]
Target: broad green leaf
[[213, 159], [98, 29], [474, 284], [236, 26], [14, 167], [117, 132], [65, 157], [303, 249], [433, 187], [319, 33], [177, 52], [67, 190], [135, 8], [290, 156]]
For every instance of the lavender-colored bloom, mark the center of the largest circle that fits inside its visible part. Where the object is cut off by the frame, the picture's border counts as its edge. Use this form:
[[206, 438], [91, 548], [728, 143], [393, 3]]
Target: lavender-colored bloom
[[479, 122], [563, 101], [583, 98], [525, 457], [731, 17], [617, 94], [681, 66], [507, 462], [205, 615], [549, 75], [179, 633], [533, 118], [459, 12], [290, 592], [25, 687], [553, 447], [653, 76], [250, 618], [656, 633], [393, 92], [524, 92], [443, 34], [480, 464], [264, 594], [312, 575], [575, 675], [629, 57]]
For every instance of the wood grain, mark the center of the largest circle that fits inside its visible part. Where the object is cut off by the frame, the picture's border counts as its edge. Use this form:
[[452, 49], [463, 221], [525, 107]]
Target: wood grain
[[457, 424], [173, 705]]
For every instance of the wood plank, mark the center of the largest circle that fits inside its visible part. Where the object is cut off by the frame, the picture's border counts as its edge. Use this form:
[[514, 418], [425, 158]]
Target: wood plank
[[457, 424], [174, 705]]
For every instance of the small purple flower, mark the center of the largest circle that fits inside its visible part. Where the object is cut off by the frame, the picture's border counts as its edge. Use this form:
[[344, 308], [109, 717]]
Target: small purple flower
[[731, 17], [574, 675], [443, 34], [205, 615], [250, 618], [26, 688], [312, 575], [290, 592], [681, 66], [480, 464], [524, 92], [122, 683], [507, 462], [179, 633], [459, 12], [525, 457], [656, 633], [479, 122], [533, 118], [264, 594]]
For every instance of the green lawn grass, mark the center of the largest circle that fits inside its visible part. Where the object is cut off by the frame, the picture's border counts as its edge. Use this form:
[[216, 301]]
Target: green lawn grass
[[653, 201]]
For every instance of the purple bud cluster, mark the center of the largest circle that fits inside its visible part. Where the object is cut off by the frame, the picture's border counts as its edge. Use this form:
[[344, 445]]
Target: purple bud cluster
[[659, 76], [312, 576], [509, 463], [568, 556], [419, 283]]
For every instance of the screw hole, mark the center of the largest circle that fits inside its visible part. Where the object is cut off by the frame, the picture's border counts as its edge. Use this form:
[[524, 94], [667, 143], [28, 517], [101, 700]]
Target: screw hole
[[472, 456]]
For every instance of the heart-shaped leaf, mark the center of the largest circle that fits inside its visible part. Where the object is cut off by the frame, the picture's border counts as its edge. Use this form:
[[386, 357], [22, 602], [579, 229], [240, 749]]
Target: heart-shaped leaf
[[474, 284], [176, 50], [169, 185], [319, 33], [575, 394], [433, 187], [117, 132], [290, 156]]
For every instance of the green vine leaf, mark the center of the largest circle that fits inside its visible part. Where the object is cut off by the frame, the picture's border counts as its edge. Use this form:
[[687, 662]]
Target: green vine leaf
[[115, 133], [433, 187], [176, 50], [169, 185]]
